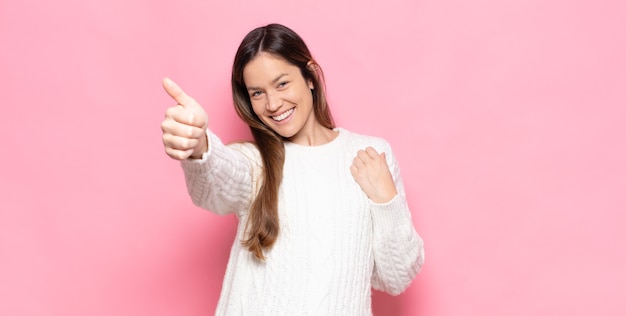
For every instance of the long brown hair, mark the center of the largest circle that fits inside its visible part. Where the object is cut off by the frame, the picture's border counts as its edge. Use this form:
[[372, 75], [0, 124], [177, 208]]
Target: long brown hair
[[262, 226]]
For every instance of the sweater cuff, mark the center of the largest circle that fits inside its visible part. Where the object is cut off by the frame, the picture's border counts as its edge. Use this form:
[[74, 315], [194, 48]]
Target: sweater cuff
[[202, 164], [391, 215]]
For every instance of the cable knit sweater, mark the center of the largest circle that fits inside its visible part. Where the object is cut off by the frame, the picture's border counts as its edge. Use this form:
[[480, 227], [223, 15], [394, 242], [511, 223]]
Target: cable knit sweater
[[334, 244]]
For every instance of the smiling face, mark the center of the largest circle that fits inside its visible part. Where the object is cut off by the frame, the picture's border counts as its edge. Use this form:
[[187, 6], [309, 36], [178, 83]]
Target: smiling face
[[280, 96]]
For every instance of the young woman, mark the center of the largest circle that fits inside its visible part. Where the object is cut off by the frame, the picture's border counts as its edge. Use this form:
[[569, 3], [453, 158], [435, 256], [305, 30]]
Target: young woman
[[322, 211]]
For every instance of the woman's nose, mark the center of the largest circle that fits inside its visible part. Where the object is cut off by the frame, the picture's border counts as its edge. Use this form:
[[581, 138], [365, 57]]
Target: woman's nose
[[273, 102]]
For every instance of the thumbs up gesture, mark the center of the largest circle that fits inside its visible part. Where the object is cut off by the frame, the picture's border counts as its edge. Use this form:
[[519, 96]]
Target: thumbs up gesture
[[184, 126]]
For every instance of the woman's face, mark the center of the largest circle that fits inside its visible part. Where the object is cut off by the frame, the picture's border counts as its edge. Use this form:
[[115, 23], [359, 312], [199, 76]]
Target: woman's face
[[280, 95]]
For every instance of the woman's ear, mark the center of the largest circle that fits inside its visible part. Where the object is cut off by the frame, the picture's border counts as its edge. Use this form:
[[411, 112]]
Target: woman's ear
[[312, 66]]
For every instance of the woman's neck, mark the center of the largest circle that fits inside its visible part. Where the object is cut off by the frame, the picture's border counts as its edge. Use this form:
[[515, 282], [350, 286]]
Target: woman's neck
[[316, 135]]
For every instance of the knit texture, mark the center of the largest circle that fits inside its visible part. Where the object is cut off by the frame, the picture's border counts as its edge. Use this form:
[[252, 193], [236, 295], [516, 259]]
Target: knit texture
[[334, 244]]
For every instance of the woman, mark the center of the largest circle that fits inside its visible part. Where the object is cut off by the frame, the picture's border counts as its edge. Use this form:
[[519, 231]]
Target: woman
[[322, 211]]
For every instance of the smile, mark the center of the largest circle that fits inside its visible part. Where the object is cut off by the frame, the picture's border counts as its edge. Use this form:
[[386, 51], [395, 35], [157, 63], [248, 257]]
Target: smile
[[283, 116]]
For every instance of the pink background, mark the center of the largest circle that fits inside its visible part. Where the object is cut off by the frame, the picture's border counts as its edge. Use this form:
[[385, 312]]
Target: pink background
[[507, 118]]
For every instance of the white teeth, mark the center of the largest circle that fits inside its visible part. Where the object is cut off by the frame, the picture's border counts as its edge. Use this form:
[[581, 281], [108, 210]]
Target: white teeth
[[282, 116]]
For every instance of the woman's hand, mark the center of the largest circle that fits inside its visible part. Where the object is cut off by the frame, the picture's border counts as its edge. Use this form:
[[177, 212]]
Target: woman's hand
[[184, 126], [371, 172]]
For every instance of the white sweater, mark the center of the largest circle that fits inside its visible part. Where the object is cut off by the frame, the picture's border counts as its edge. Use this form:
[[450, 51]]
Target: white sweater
[[334, 244]]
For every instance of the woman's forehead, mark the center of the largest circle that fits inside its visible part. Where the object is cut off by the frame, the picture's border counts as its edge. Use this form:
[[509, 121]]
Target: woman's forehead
[[266, 68]]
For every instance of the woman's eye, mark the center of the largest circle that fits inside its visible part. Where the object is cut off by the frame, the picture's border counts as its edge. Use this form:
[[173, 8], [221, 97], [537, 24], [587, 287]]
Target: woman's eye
[[255, 94], [282, 84]]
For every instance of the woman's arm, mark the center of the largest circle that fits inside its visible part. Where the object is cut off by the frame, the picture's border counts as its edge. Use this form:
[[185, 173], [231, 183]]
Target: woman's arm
[[219, 178], [398, 249], [224, 179]]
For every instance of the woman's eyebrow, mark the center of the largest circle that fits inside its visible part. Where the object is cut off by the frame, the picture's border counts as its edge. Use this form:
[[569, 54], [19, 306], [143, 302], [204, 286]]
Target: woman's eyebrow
[[273, 81]]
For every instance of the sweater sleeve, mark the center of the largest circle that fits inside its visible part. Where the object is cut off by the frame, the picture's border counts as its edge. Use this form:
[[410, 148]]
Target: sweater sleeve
[[398, 249], [224, 180]]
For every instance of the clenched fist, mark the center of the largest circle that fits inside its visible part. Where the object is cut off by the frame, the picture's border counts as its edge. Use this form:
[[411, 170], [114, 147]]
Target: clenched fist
[[184, 126], [371, 172]]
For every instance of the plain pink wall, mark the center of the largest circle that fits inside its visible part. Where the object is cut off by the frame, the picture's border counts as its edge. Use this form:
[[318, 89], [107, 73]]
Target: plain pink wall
[[507, 118]]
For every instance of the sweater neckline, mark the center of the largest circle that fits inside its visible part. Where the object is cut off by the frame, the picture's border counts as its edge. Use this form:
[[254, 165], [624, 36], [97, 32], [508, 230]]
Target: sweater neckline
[[336, 142]]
